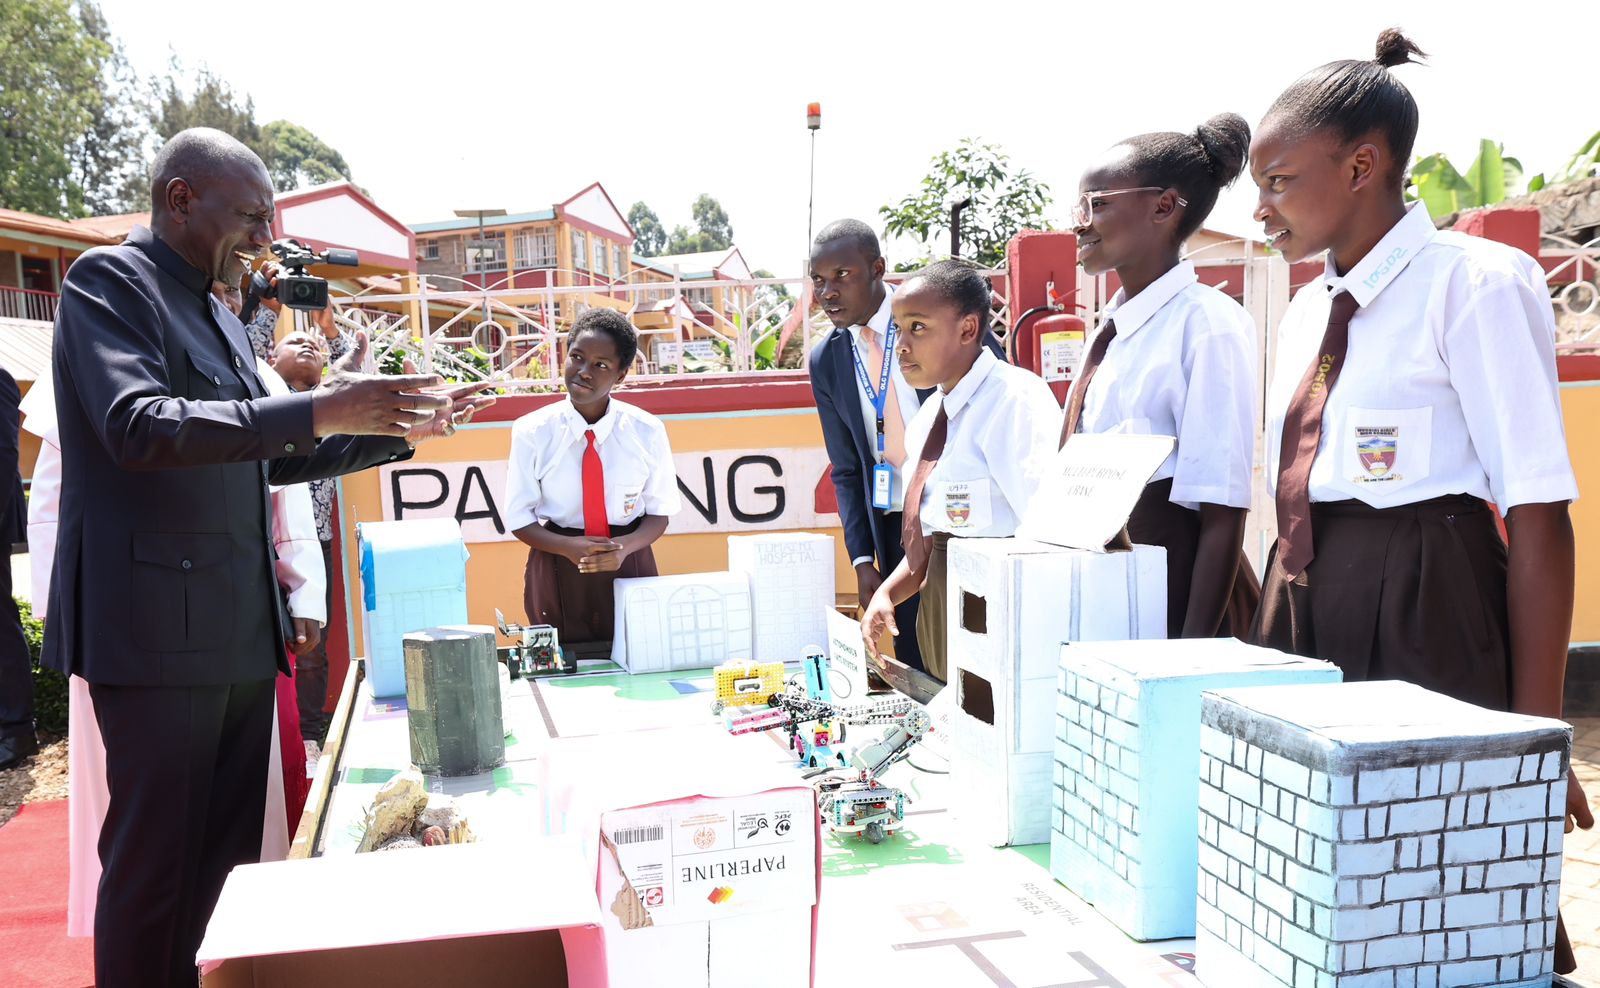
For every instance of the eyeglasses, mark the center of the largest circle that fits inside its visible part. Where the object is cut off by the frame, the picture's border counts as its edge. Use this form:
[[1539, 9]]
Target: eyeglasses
[[1083, 208]]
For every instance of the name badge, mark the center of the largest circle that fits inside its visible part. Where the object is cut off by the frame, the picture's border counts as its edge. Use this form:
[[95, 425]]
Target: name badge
[[883, 486]]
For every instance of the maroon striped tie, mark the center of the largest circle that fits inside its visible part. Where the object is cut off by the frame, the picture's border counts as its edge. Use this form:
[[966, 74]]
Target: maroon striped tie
[[1302, 432], [912, 539], [1080, 389]]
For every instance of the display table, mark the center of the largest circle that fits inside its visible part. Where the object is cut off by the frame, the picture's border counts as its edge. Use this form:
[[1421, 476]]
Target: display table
[[927, 906]]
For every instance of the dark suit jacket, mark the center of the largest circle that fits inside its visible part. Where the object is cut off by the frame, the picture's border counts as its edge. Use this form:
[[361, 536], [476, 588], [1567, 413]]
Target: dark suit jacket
[[13, 509], [164, 561], [851, 451]]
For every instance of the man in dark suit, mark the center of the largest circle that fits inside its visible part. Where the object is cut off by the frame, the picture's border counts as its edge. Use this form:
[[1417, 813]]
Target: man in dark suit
[[163, 596], [847, 270], [17, 740]]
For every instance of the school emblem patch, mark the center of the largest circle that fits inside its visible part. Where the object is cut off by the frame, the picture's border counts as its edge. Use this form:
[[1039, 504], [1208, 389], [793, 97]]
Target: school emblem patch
[[958, 507], [1376, 445]]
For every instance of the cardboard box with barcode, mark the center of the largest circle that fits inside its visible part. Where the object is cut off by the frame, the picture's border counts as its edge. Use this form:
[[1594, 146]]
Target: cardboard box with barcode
[[1012, 602], [466, 914], [707, 854]]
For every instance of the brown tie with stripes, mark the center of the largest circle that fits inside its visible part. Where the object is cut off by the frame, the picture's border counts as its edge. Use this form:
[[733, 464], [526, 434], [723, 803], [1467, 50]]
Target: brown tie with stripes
[[1302, 432], [1080, 389], [915, 543]]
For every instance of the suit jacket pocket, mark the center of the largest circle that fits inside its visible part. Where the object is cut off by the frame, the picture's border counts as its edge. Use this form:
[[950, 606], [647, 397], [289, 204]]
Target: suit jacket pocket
[[182, 591], [211, 379]]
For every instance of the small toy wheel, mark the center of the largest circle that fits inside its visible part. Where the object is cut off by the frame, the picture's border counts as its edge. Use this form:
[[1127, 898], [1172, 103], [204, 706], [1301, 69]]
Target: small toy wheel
[[874, 833], [812, 761]]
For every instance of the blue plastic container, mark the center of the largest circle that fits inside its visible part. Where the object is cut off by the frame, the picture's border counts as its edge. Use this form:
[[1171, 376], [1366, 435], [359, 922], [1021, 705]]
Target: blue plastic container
[[413, 576]]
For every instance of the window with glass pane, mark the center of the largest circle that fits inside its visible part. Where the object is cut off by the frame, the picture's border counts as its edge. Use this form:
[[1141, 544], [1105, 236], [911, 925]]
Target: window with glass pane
[[536, 248], [430, 250], [488, 254], [600, 256], [616, 261], [580, 250]]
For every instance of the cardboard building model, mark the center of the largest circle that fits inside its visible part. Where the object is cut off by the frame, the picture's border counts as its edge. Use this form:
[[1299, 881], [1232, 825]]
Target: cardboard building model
[[791, 590], [1012, 603], [689, 621], [1124, 824], [1377, 833]]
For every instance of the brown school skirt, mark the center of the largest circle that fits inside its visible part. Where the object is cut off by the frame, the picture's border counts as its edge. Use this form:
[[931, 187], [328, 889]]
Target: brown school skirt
[[933, 638], [1416, 592], [1157, 521], [579, 605]]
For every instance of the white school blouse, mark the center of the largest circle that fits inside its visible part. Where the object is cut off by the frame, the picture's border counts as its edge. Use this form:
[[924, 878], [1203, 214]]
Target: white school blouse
[[1449, 385], [1183, 364], [1003, 427], [544, 477]]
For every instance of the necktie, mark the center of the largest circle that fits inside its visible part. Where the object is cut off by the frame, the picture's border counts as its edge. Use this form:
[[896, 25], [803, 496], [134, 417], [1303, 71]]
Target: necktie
[[1302, 432], [595, 519], [912, 539], [1080, 387], [894, 426]]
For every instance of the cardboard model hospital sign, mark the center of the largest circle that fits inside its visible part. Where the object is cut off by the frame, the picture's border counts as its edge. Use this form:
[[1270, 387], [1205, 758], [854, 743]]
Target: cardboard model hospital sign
[[1085, 499]]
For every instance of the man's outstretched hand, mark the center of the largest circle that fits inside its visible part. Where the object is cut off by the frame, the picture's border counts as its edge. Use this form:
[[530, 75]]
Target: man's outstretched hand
[[465, 402], [350, 403]]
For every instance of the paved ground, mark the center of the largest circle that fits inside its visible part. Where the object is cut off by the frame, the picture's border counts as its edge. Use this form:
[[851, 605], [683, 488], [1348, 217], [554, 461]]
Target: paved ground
[[1580, 878]]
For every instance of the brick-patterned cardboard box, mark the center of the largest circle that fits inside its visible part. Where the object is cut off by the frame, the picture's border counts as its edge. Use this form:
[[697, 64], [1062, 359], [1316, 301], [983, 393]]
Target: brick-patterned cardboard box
[[791, 590], [1012, 602], [1125, 822], [1377, 833]]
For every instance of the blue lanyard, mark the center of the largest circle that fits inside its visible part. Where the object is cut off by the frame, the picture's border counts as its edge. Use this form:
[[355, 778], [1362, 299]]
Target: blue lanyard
[[879, 398]]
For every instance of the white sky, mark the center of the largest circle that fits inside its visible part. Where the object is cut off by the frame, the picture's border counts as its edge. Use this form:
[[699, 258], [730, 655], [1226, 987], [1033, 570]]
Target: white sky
[[472, 104]]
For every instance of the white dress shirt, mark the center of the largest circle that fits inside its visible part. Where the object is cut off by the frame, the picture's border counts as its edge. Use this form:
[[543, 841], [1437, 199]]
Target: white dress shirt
[[544, 478], [1183, 364], [1449, 385], [1004, 424]]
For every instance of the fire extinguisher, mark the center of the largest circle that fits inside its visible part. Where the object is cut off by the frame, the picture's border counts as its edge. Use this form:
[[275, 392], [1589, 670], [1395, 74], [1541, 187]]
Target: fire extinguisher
[[1051, 345]]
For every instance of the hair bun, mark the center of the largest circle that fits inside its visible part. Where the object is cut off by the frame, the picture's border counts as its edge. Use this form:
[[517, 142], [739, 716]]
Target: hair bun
[[1395, 48], [1225, 141]]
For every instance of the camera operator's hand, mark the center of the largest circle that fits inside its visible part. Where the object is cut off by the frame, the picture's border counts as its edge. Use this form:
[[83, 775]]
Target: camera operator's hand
[[269, 298], [354, 404]]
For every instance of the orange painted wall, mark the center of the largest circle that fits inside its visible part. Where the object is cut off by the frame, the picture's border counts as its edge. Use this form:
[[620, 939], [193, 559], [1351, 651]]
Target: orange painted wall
[[1580, 402]]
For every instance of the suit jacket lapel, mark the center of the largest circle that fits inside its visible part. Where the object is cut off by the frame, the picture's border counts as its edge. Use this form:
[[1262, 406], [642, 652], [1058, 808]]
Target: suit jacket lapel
[[233, 334], [844, 366]]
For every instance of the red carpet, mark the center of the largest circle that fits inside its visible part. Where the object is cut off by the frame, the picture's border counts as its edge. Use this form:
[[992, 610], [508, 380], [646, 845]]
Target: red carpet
[[34, 948]]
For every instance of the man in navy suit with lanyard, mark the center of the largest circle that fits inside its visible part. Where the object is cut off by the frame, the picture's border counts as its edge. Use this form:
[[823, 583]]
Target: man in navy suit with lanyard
[[864, 403]]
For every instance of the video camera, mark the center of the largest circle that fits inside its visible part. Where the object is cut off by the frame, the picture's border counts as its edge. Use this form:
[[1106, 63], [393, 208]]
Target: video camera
[[295, 288]]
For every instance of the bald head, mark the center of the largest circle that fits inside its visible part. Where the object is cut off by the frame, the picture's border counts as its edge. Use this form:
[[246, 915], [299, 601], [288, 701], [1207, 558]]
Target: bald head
[[200, 156], [211, 201]]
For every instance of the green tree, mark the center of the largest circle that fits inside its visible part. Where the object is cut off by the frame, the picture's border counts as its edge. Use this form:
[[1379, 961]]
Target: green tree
[[211, 103], [109, 158], [50, 70], [712, 231], [649, 236], [1004, 202], [296, 157]]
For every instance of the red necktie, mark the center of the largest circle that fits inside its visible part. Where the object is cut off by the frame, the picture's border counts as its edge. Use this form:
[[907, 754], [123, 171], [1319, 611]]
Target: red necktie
[[595, 519], [912, 538], [1080, 388], [1302, 433]]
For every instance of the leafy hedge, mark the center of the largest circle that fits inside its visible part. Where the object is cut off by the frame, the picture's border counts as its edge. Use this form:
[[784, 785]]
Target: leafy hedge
[[49, 686]]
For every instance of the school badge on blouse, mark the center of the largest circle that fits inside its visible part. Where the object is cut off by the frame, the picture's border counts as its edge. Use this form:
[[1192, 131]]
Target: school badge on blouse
[[1375, 445], [958, 505]]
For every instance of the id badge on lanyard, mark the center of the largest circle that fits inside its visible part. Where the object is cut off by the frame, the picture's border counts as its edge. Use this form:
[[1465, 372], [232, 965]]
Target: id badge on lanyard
[[882, 473]]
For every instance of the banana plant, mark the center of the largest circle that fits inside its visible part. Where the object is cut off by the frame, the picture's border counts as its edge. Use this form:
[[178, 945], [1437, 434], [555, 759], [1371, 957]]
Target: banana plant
[[1492, 177], [1584, 163]]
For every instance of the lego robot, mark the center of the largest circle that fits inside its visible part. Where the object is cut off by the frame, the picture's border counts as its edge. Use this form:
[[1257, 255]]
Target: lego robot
[[537, 650]]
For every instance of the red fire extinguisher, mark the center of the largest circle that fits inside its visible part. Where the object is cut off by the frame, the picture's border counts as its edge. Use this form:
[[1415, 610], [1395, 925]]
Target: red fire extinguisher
[[1050, 345]]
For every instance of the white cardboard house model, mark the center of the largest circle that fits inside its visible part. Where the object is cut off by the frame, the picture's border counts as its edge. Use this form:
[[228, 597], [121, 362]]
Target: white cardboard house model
[[1012, 602], [689, 621]]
